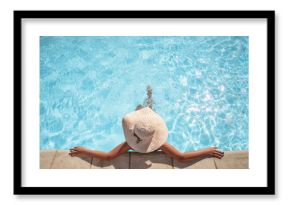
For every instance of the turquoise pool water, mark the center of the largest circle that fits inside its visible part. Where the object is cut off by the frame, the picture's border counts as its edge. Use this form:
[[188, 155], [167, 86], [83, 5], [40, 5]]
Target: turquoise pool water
[[200, 88]]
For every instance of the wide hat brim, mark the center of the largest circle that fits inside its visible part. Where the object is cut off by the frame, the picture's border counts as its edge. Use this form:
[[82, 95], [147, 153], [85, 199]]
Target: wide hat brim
[[152, 143]]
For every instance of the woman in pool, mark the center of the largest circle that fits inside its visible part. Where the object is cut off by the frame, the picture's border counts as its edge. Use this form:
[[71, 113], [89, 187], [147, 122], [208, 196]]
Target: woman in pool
[[145, 131]]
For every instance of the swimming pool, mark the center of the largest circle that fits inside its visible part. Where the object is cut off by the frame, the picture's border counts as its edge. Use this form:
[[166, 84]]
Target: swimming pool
[[200, 88]]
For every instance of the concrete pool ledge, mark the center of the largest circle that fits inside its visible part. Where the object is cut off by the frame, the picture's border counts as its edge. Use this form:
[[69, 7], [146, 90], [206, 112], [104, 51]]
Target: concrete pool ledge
[[60, 159]]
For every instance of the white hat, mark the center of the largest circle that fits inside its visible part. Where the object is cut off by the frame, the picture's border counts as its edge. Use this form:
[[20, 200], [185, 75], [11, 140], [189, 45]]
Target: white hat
[[145, 131]]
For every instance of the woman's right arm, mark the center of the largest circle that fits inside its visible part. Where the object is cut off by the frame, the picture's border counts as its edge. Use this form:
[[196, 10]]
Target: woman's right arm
[[118, 150]]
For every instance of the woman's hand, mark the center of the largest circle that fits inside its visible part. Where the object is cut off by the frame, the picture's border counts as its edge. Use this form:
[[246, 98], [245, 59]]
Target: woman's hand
[[77, 150], [214, 152]]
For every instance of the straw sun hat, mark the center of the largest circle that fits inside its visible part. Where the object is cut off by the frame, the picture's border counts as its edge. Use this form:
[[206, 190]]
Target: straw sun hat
[[145, 131]]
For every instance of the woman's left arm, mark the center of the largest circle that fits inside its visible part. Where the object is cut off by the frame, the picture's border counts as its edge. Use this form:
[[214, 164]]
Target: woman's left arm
[[173, 152]]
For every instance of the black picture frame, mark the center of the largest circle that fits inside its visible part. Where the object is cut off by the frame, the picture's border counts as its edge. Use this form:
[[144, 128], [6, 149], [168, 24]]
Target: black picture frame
[[268, 190]]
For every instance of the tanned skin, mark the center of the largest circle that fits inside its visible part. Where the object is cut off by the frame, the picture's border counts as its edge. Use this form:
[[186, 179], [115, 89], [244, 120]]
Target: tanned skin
[[166, 148]]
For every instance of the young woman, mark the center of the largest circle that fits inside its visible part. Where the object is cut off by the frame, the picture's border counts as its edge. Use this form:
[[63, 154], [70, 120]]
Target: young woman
[[145, 131]]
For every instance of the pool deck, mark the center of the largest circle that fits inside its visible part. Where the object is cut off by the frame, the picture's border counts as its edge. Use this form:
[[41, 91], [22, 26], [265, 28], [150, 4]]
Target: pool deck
[[60, 159]]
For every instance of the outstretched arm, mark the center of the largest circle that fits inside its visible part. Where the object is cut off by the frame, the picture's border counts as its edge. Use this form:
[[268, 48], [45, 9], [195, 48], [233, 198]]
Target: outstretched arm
[[172, 152], [120, 149]]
